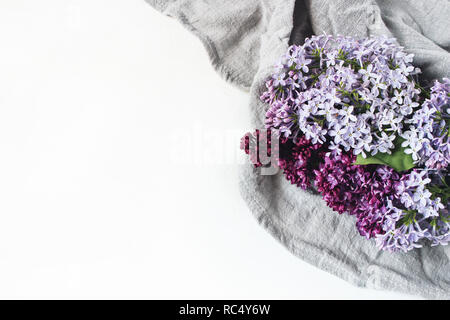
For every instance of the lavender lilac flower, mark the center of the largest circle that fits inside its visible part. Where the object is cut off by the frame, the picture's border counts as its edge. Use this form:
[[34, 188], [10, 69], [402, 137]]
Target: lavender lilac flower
[[427, 138], [356, 94], [418, 211], [336, 99]]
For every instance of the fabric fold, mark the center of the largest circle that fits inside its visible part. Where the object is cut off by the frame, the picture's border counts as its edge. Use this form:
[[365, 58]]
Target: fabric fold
[[229, 30], [244, 39]]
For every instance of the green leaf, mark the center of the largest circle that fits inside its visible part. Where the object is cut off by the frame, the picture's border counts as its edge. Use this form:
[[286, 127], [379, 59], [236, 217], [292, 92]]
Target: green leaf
[[398, 159]]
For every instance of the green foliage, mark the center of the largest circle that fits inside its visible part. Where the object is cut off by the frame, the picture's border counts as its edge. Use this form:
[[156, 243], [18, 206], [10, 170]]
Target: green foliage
[[398, 159]]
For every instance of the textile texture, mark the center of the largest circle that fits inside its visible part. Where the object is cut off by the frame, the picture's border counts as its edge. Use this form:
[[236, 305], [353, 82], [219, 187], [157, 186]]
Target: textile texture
[[244, 39]]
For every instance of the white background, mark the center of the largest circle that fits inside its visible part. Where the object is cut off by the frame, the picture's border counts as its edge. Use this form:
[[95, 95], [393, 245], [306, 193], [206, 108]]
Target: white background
[[98, 198]]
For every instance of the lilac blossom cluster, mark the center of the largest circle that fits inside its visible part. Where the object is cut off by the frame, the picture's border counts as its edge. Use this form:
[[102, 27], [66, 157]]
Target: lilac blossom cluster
[[335, 100], [356, 94], [298, 158], [427, 138], [418, 211], [400, 211], [295, 158], [358, 190]]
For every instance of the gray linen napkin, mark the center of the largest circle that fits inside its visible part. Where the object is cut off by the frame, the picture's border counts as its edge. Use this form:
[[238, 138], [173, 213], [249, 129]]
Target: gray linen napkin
[[244, 39]]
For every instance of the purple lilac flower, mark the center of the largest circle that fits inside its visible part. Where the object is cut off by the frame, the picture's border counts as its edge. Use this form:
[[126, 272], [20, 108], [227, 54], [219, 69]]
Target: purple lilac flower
[[427, 139], [298, 159], [345, 84], [419, 213], [280, 116], [338, 97], [361, 191]]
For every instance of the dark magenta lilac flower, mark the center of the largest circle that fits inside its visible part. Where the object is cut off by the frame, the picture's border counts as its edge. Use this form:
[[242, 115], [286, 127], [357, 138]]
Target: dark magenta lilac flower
[[361, 191], [298, 159], [334, 99]]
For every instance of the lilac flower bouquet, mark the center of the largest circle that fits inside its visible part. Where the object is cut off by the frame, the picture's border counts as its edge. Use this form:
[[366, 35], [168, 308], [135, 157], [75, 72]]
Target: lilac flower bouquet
[[355, 125]]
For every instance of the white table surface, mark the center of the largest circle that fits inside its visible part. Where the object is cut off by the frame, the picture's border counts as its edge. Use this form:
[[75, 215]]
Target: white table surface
[[108, 185]]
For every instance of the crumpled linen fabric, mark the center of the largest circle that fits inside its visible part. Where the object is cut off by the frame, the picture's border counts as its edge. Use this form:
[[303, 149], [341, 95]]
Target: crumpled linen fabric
[[244, 39]]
